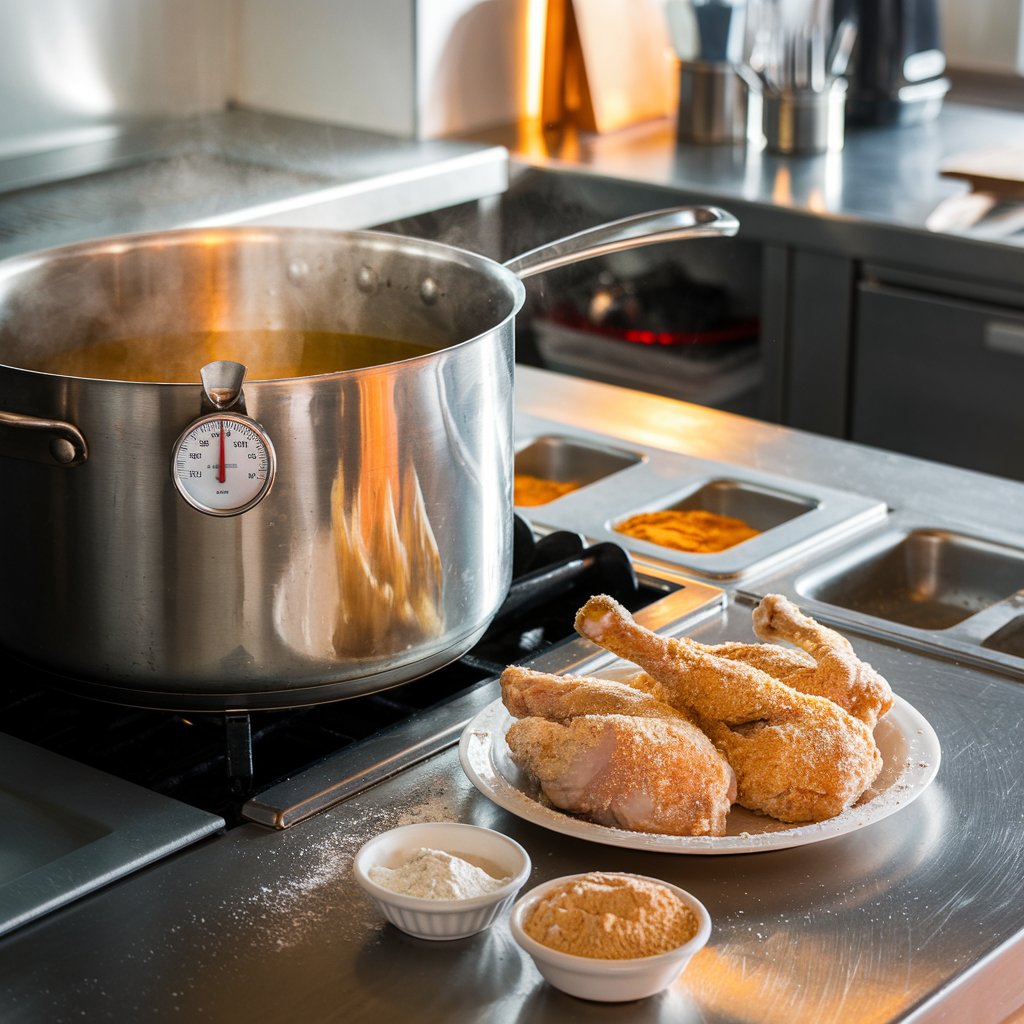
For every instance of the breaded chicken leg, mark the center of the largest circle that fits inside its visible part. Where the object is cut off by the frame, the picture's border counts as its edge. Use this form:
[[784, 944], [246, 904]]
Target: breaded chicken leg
[[526, 693], [838, 673], [797, 756], [616, 754], [852, 684], [634, 773], [783, 663], [823, 661]]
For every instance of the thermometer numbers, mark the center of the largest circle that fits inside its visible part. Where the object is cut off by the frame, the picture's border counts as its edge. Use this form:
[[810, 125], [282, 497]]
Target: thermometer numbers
[[223, 464]]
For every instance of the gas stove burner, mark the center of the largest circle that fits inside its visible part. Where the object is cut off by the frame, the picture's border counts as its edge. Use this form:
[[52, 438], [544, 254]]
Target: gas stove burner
[[216, 761]]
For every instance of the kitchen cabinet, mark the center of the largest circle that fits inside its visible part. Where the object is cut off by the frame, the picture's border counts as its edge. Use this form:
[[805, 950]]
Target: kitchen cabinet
[[806, 337], [939, 377]]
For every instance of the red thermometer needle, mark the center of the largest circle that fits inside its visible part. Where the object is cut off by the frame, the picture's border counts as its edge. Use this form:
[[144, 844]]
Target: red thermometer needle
[[221, 473]]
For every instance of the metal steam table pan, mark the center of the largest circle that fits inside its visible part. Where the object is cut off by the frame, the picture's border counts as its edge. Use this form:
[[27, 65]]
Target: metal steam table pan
[[614, 480], [930, 582]]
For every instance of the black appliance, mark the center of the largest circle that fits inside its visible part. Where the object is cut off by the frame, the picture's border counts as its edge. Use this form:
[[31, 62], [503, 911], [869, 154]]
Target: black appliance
[[897, 69]]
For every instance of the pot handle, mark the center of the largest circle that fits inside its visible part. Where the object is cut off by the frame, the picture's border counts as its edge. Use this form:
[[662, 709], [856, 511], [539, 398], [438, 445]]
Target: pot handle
[[51, 442], [628, 233]]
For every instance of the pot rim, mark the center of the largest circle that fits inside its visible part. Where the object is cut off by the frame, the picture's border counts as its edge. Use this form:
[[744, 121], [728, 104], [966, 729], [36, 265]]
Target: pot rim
[[13, 266]]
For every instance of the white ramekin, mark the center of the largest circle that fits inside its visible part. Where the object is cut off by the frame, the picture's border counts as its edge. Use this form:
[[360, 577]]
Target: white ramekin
[[608, 981], [442, 919]]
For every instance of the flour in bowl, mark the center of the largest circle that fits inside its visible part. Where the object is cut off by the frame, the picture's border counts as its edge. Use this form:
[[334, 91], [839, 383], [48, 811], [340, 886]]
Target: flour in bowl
[[436, 875]]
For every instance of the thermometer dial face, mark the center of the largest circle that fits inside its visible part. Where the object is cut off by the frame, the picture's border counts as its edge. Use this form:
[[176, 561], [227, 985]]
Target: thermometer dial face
[[223, 464]]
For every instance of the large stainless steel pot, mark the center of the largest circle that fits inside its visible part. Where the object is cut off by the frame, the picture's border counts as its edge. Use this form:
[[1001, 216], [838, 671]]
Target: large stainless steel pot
[[382, 548]]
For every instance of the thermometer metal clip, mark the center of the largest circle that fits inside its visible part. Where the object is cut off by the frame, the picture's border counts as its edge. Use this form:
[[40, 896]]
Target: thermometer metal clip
[[223, 463]]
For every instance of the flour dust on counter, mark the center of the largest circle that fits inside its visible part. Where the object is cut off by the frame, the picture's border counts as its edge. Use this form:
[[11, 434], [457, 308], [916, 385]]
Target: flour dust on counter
[[288, 908]]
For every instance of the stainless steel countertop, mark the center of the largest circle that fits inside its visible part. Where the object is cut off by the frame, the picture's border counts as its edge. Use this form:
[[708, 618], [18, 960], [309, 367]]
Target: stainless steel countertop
[[236, 166], [868, 201], [917, 917]]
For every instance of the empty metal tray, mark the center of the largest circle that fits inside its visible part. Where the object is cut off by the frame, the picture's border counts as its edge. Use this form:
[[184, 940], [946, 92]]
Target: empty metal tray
[[925, 578], [931, 583]]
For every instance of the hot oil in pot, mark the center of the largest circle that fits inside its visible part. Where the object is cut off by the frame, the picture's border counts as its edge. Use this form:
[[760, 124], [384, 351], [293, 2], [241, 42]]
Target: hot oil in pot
[[267, 354]]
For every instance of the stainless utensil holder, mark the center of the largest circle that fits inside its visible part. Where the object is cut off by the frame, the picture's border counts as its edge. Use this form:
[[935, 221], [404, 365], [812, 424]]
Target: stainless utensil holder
[[715, 105], [805, 121]]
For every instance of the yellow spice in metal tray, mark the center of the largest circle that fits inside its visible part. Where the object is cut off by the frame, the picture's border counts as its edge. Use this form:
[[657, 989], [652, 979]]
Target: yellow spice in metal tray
[[535, 490], [692, 530]]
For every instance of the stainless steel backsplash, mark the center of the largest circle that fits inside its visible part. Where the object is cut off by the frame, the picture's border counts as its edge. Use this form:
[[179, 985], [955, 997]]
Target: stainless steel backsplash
[[72, 69]]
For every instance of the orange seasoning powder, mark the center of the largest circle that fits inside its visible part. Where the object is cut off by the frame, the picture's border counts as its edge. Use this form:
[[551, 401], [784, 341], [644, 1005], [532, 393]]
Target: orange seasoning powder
[[611, 917], [535, 490], [688, 529]]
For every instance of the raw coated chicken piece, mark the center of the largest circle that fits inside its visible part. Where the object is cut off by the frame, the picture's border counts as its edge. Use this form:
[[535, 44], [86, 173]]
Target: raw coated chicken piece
[[633, 773], [837, 673], [823, 662], [797, 756], [527, 693], [784, 663], [799, 670], [633, 763]]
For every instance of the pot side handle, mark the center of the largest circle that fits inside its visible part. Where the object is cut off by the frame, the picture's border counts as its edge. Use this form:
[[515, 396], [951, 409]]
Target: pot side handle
[[50, 442], [629, 233]]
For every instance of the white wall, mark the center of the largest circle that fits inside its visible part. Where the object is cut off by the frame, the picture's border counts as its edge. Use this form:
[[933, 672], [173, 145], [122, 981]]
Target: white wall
[[471, 64], [422, 68], [69, 69], [984, 35], [342, 61]]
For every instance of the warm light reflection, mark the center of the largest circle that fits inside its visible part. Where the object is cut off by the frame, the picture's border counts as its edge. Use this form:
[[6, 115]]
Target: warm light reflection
[[389, 571], [750, 985], [531, 142], [816, 202], [211, 239], [657, 422], [536, 21], [217, 301], [833, 180], [782, 187]]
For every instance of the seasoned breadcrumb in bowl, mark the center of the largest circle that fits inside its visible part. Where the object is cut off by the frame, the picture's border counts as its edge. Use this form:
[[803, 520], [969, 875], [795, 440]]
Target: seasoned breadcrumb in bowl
[[610, 937]]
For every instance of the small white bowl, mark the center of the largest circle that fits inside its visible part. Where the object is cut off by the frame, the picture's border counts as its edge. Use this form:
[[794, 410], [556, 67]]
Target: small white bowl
[[609, 981], [443, 919]]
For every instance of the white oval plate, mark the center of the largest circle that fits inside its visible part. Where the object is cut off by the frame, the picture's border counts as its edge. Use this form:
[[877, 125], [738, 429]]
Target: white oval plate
[[910, 760]]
